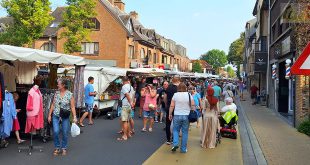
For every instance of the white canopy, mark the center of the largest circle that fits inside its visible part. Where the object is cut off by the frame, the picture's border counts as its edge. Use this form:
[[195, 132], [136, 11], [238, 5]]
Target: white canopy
[[149, 71], [13, 53]]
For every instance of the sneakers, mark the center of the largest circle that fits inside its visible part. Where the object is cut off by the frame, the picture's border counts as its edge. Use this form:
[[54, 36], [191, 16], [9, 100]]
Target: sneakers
[[174, 148], [184, 152], [156, 121], [168, 143]]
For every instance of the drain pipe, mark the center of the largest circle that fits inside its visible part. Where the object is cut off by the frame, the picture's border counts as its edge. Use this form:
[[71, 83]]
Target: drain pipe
[[268, 59]]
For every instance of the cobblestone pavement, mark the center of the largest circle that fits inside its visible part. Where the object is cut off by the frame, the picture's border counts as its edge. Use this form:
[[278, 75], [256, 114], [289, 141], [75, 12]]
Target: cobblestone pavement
[[280, 143]]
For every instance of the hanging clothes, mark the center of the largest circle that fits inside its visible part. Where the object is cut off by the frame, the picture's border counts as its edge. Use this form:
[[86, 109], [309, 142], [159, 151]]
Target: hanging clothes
[[1, 92], [52, 83], [34, 110], [26, 72], [9, 113], [79, 86], [10, 76]]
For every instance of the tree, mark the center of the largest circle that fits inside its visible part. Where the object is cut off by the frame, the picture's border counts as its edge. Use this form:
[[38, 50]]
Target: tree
[[78, 14], [30, 18], [230, 71], [197, 67], [236, 51], [216, 58]]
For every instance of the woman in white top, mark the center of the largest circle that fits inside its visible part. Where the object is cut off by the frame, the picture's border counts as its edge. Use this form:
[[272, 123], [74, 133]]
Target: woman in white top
[[181, 104]]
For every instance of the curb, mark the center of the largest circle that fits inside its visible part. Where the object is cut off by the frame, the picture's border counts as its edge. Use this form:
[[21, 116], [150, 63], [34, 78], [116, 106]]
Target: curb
[[251, 150]]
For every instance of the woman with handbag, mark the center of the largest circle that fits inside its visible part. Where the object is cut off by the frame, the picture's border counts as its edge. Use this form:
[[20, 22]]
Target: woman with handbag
[[181, 105], [210, 122], [61, 109]]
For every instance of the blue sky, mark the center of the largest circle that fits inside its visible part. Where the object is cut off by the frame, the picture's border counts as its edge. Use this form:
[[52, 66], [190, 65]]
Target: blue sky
[[199, 25]]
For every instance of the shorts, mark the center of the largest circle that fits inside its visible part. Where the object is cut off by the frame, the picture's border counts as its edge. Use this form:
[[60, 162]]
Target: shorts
[[125, 115], [149, 114], [132, 114], [89, 108]]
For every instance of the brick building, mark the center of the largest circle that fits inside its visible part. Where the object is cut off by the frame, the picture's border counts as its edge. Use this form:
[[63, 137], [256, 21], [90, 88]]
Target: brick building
[[118, 39]]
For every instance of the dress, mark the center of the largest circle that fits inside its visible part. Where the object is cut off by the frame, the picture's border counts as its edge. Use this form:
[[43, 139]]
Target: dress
[[34, 110], [210, 125]]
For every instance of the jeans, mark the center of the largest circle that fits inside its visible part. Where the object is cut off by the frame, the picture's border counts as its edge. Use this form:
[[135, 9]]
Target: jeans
[[168, 131], [65, 123], [180, 122]]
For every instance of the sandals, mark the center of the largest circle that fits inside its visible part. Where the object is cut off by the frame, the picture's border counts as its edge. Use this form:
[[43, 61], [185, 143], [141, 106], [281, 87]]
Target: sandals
[[120, 132], [150, 129], [121, 139], [56, 152], [20, 141], [81, 125]]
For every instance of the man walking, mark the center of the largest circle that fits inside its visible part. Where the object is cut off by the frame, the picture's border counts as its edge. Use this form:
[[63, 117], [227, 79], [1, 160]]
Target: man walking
[[217, 93], [161, 102], [126, 97], [89, 102], [254, 91], [171, 90]]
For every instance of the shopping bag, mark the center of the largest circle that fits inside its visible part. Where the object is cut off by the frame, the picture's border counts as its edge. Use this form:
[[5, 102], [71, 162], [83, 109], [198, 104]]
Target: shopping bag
[[75, 130]]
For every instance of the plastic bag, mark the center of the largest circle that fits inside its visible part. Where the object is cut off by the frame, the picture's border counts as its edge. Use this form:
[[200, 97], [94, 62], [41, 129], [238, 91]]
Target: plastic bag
[[75, 130]]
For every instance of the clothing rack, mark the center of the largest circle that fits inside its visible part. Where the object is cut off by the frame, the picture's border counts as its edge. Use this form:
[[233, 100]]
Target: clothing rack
[[30, 148]]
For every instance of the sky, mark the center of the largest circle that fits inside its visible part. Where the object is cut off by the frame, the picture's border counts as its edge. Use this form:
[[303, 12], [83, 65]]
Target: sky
[[198, 25]]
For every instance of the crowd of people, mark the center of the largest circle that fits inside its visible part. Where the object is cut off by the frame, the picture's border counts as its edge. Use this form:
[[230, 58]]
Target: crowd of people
[[173, 100]]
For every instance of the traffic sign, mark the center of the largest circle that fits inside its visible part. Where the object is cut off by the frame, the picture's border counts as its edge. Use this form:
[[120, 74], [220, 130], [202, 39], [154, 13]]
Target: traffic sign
[[302, 64]]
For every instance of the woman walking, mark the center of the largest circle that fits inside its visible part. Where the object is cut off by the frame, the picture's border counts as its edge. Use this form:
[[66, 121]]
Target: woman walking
[[182, 102], [62, 107], [210, 120]]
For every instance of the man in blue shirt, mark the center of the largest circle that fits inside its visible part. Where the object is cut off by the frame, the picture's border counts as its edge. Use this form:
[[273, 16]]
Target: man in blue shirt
[[217, 93], [90, 94]]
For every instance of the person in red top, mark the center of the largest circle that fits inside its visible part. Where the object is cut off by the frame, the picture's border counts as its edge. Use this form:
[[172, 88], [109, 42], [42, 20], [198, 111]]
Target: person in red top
[[253, 90]]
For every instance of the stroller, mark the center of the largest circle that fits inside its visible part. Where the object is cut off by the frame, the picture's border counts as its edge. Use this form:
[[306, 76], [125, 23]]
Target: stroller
[[228, 129]]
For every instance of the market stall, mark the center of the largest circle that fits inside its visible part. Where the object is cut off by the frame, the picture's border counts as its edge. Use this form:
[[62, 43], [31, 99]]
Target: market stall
[[19, 72]]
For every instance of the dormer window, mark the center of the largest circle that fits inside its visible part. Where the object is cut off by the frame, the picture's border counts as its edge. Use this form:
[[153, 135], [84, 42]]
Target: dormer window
[[54, 25], [129, 26]]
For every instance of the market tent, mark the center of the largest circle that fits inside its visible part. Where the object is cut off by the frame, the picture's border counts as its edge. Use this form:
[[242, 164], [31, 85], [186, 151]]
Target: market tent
[[13, 53], [149, 71]]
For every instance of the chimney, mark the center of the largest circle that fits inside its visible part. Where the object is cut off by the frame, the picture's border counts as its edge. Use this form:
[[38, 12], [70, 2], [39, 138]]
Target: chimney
[[120, 4], [134, 15]]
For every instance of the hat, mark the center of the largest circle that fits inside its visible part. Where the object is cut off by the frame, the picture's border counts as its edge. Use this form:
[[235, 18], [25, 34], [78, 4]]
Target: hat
[[229, 99]]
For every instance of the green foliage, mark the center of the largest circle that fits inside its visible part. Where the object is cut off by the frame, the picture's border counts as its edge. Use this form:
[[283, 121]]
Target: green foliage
[[77, 14], [197, 67], [236, 50], [231, 72], [216, 58], [305, 127], [30, 18]]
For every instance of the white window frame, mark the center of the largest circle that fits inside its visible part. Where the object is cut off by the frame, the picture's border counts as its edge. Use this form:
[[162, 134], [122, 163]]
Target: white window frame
[[90, 48]]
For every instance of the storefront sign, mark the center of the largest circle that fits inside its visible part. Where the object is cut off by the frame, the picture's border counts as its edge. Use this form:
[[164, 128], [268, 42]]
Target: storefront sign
[[286, 45], [260, 61]]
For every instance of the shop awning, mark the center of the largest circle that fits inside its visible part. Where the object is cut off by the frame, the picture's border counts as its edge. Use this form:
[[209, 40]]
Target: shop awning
[[148, 71], [104, 70], [13, 53]]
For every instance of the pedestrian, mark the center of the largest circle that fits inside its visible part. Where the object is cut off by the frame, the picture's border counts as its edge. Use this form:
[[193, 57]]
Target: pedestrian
[[90, 94], [149, 107], [63, 102], [140, 90], [210, 120], [254, 91], [161, 101], [228, 93], [16, 126], [181, 104], [127, 103], [171, 90], [229, 107], [217, 93], [197, 99]]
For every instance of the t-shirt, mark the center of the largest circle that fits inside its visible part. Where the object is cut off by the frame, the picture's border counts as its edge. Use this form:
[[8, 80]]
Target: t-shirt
[[198, 88], [254, 90], [181, 103], [196, 98], [127, 88], [217, 91], [161, 92], [228, 93], [149, 100], [89, 88], [231, 107], [171, 90]]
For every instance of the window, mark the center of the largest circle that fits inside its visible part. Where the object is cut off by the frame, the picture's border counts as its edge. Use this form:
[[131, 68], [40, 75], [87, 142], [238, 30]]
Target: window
[[48, 47], [149, 54], [129, 26], [131, 52], [154, 58], [142, 53], [54, 24], [90, 48], [93, 23]]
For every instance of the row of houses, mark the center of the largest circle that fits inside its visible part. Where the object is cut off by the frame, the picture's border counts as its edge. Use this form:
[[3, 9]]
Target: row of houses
[[118, 39], [269, 51]]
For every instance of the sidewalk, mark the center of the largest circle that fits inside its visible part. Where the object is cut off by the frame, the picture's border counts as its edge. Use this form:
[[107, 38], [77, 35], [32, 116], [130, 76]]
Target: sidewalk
[[280, 143], [228, 152]]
